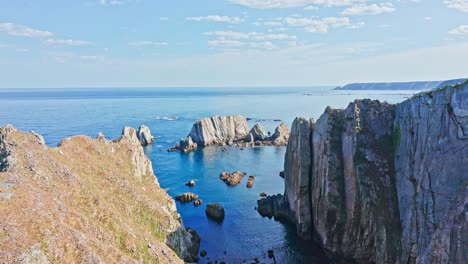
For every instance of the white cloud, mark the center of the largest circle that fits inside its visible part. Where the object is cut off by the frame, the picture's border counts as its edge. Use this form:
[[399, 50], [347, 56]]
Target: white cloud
[[266, 4], [460, 30], [427, 18], [23, 31], [222, 42], [228, 34], [216, 18], [163, 18], [461, 5], [147, 43], [311, 7], [273, 24], [372, 9], [315, 25], [67, 42], [258, 39], [261, 36]]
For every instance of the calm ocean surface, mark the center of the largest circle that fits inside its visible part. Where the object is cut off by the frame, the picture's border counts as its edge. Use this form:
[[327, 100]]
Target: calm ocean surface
[[244, 234]]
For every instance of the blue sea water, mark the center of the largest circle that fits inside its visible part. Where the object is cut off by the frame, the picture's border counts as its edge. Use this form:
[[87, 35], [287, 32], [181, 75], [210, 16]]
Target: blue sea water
[[244, 234]]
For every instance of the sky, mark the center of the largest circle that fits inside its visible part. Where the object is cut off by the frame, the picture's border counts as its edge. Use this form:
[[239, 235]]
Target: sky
[[229, 43]]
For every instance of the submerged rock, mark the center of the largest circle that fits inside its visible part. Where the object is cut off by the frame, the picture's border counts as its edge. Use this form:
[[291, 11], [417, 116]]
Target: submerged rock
[[215, 211]]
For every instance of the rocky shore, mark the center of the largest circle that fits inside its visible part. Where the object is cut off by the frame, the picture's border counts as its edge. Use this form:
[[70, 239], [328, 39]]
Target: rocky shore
[[381, 183], [88, 200], [231, 131]]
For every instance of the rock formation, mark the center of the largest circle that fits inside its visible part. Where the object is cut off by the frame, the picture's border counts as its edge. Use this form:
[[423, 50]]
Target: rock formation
[[232, 179], [281, 135], [250, 181], [230, 130], [186, 197], [88, 200], [257, 133], [144, 135], [381, 183], [215, 211], [219, 129]]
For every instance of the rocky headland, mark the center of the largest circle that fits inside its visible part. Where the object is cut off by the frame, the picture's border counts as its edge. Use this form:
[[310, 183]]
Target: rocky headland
[[230, 130], [88, 200], [381, 183]]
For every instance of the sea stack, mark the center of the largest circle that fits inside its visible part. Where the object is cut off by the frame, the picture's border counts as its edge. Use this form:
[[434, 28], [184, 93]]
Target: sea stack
[[144, 135]]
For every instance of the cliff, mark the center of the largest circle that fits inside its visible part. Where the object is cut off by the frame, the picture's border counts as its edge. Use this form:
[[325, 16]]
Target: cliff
[[381, 183], [88, 200], [424, 85]]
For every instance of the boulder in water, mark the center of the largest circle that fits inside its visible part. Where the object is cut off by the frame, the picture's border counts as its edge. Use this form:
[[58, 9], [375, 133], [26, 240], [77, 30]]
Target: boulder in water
[[215, 211]]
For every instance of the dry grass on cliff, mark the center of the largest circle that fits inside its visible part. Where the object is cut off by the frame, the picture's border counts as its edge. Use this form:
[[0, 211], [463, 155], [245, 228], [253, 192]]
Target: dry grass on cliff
[[79, 203]]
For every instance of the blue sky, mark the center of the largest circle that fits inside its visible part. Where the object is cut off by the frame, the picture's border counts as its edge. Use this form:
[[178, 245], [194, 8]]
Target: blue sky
[[148, 43]]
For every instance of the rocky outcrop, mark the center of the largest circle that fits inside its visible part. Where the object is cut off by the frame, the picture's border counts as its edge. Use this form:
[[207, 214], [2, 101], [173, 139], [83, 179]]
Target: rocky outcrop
[[281, 135], [185, 145], [88, 200], [215, 211], [257, 133], [379, 183], [144, 135], [250, 181], [232, 179], [141, 163], [230, 130], [275, 206], [219, 129], [186, 197]]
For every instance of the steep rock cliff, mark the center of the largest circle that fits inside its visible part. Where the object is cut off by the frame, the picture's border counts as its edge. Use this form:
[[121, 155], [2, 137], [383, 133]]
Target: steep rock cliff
[[378, 180], [88, 200], [431, 162]]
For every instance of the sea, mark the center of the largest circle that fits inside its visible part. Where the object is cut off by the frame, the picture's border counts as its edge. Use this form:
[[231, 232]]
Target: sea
[[170, 112]]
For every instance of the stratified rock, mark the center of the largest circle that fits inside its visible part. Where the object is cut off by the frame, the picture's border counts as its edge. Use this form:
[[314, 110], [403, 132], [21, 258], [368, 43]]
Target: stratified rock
[[250, 181], [215, 211], [281, 135], [378, 180], [448, 243], [297, 175], [186, 197], [431, 138], [144, 135], [232, 179], [216, 129]]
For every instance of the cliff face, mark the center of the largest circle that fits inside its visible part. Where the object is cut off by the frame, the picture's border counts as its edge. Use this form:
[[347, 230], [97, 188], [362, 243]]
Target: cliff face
[[378, 180], [297, 176], [431, 162], [219, 129], [88, 200]]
